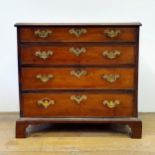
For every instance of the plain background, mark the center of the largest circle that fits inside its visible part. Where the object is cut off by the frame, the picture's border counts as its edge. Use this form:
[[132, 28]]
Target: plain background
[[12, 11]]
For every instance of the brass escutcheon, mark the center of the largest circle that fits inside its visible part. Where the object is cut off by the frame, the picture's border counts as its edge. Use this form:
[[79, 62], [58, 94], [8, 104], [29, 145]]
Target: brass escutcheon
[[42, 33], [112, 33], [111, 103], [78, 31], [78, 73], [111, 54], [45, 102], [111, 77], [43, 54], [77, 51], [44, 78], [78, 98]]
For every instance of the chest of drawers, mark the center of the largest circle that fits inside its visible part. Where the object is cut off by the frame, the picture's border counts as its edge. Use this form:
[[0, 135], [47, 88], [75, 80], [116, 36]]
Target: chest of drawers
[[78, 73]]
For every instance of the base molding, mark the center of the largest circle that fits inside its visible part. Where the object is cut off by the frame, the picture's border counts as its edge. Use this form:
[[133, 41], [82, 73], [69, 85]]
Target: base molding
[[135, 124]]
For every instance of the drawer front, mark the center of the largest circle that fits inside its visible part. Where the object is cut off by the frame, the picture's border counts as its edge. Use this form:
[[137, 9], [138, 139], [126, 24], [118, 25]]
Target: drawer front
[[77, 104], [77, 78], [77, 34], [85, 55]]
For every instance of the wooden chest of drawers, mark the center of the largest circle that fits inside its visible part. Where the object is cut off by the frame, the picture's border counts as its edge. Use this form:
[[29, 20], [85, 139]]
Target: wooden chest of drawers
[[78, 73]]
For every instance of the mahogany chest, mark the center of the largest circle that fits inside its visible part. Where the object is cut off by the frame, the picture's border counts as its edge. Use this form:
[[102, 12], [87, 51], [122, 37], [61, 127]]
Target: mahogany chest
[[78, 73]]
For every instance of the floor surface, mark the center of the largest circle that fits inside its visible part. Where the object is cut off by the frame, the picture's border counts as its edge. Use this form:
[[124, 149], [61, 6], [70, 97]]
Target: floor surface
[[76, 139]]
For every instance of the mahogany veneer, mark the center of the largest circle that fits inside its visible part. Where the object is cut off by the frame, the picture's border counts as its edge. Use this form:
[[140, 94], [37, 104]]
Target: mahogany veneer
[[78, 73], [63, 78], [64, 106], [61, 34], [92, 55]]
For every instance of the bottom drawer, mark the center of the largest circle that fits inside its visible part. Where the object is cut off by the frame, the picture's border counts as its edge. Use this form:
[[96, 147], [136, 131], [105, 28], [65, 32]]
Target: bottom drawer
[[77, 104]]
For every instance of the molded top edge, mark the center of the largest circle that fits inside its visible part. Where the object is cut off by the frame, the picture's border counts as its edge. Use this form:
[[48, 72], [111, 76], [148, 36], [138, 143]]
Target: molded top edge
[[79, 24]]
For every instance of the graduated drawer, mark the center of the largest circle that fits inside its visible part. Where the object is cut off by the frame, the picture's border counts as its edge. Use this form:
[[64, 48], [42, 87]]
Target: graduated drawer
[[77, 78], [77, 34], [77, 104], [85, 55]]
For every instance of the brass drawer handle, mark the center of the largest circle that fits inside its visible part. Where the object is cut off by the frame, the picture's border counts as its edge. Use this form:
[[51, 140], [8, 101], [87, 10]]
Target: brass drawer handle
[[111, 54], [45, 102], [111, 103], [78, 98], [44, 78], [42, 33], [77, 31], [78, 73], [112, 33], [111, 77], [77, 51], [43, 54]]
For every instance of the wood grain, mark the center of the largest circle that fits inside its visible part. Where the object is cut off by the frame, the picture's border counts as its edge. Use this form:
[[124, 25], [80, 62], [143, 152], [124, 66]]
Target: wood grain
[[63, 83], [64, 80], [93, 55], [93, 106], [75, 139], [61, 34]]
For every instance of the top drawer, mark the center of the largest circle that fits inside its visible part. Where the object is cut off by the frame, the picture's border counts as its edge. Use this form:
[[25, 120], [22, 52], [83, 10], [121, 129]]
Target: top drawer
[[77, 34]]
